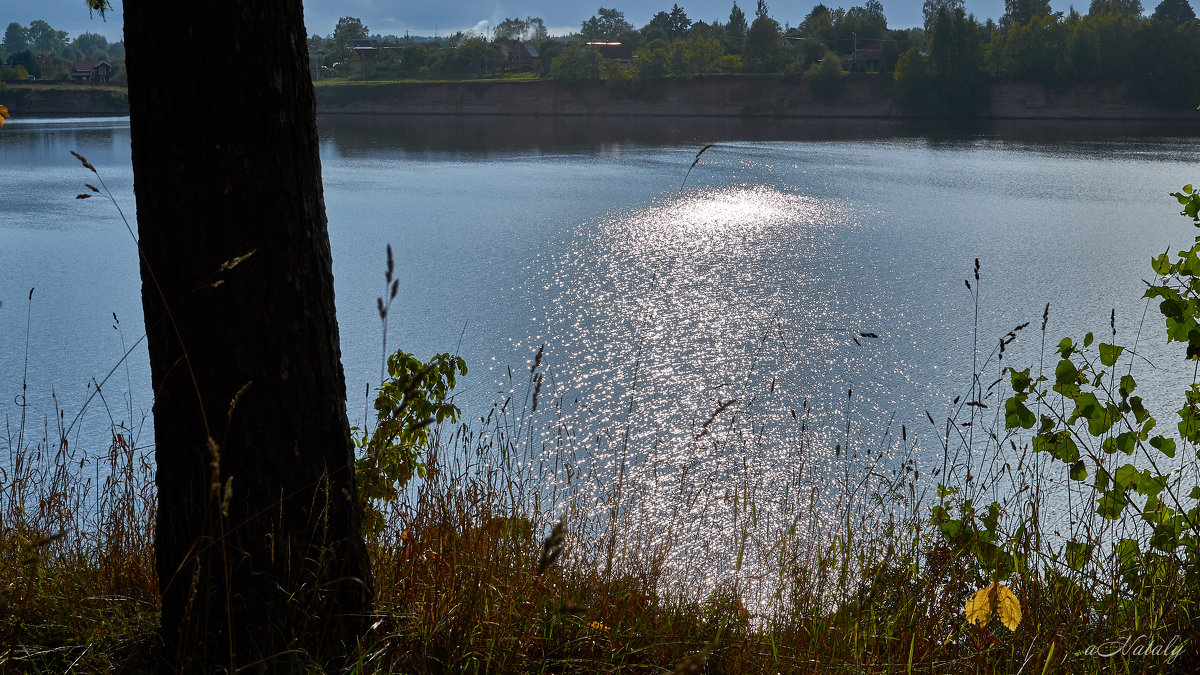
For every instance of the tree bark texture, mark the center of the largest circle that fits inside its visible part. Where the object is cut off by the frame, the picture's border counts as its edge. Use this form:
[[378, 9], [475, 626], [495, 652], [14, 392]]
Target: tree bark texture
[[261, 561]]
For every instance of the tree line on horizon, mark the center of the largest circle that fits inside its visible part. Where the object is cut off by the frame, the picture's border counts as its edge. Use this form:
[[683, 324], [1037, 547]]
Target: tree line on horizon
[[41, 52], [945, 65]]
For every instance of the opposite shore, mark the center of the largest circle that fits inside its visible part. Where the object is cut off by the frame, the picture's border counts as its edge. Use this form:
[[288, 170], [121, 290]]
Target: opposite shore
[[860, 96]]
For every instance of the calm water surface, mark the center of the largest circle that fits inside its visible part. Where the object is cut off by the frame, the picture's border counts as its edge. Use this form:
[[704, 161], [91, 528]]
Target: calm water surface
[[657, 305]]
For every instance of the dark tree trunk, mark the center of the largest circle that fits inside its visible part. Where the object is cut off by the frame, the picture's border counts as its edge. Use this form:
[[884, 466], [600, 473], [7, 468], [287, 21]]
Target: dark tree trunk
[[260, 556]]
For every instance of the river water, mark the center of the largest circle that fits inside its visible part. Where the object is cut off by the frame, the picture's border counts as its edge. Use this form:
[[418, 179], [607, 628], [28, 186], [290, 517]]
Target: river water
[[658, 302]]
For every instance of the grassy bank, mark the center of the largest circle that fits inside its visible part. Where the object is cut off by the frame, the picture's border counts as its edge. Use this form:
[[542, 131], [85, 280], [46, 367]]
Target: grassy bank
[[25, 99]]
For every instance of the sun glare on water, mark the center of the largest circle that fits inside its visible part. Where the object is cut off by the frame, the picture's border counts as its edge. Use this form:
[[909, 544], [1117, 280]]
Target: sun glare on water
[[703, 330]]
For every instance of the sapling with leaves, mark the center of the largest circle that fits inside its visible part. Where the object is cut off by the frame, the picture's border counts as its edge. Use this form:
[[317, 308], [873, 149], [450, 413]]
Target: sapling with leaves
[[412, 397]]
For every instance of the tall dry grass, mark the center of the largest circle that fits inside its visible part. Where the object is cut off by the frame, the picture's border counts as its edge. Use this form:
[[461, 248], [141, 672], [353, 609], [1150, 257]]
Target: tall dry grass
[[514, 554]]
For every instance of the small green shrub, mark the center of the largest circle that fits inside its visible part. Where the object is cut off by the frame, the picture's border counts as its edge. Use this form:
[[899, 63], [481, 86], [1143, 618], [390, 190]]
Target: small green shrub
[[410, 400], [826, 76]]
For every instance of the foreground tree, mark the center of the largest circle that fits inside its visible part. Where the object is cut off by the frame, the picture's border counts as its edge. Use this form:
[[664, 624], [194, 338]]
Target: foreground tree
[[260, 557]]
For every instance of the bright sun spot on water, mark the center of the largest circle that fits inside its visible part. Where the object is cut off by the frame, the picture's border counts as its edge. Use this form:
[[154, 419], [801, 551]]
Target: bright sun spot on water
[[737, 208]]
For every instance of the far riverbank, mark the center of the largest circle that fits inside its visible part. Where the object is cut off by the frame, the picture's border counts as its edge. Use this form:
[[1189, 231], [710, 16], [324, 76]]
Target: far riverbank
[[861, 96]]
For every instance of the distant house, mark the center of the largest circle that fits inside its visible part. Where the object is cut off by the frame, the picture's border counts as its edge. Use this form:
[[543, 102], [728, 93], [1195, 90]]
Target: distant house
[[870, 55], [91, 71], [614, 51], [517, 56]]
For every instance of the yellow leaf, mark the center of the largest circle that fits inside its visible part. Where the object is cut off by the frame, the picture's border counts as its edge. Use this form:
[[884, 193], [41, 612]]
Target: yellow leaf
[[979, 607], [3, 115], [1009, 608], [995, 599]]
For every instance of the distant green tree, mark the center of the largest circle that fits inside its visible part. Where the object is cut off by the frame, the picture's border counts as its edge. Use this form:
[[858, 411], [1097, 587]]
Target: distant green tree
[[474, 56], [660, 22], [653, 61], [577, 63], [633, 38], [605, 24], [43, 39], [547, 52], [763, 49], [874, 10], [956, 58], [510, 29], [16, 38], [348, 30], [818, 23], [1174, 12], [889, 55], [826, 76], [14, 73], [92, 45], [931, 8], [652, 31], [1021, 12], [950, 80], [535, 29], [1032, 52], [912, 86], [867, 23], [760, 12], [678, 23], [695, 56], [736, 27], [1164, 64], [1120, 7], [808, 52], [1102, 49], [24, 58], [415, 58], [712, 30], [729, 64]]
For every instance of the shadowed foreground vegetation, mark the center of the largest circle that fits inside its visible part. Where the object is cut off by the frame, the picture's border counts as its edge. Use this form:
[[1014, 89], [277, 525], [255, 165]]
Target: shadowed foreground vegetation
[[457, 572]]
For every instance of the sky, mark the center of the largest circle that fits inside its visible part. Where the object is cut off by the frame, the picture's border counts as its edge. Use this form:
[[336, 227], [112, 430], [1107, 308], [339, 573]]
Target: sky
[[427, 18]]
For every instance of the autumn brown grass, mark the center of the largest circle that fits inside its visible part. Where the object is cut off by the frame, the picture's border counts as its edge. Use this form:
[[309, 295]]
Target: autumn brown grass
[[484, 567]]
